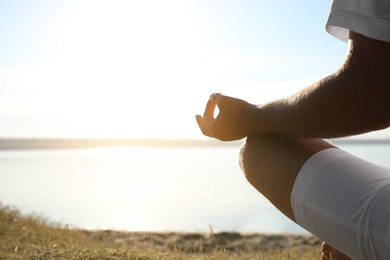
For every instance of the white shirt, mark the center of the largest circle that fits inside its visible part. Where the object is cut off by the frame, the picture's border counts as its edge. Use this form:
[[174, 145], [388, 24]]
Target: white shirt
[[370, 18]]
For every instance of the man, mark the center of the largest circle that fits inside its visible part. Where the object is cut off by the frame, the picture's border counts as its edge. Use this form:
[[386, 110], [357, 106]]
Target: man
[[340, 198]]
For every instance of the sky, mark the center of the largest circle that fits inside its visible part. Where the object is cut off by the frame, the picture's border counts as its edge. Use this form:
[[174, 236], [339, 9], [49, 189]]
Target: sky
[[143, 69]]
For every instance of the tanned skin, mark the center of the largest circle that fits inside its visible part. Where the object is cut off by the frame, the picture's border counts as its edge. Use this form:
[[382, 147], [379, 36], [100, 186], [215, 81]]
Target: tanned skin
[[283, 134]]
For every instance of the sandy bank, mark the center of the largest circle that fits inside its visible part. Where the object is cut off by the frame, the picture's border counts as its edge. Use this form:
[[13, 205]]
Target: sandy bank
[[197, 242]]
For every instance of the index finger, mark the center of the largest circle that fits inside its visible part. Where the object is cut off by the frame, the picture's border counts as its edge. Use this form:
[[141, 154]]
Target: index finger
[[208, 115], [216, 97]]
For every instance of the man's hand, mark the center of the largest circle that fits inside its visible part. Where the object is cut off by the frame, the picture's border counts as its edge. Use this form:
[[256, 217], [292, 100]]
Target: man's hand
[[233, 122]]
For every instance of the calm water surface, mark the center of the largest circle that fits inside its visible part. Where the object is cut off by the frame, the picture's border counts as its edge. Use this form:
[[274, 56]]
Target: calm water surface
[[135, 188]]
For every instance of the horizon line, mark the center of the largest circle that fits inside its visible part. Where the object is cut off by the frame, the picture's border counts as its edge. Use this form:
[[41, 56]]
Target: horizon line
[[69, 143]]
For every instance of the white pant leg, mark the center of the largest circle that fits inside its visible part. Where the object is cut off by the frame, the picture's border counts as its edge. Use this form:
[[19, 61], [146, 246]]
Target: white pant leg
[[345, 201]]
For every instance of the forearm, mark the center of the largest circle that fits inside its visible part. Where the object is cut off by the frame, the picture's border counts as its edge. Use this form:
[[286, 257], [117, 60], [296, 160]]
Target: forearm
[[330, 108], [352, 101]]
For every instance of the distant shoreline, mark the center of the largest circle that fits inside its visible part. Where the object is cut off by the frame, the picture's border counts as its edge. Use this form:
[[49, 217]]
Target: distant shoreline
[[53, 143]]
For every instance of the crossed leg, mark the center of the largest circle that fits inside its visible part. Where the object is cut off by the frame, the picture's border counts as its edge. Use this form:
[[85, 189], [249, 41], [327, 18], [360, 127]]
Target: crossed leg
[[271, 164]]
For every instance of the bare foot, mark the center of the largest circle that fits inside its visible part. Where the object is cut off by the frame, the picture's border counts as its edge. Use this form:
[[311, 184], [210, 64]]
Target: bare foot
[[329, 253]]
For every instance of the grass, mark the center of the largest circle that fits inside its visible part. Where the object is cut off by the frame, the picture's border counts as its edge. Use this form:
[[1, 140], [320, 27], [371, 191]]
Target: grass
[[33, 237]]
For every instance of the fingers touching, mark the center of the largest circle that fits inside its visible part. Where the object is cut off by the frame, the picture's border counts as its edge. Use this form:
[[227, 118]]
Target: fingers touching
[[208, 115], [208, 118], [215, 97]]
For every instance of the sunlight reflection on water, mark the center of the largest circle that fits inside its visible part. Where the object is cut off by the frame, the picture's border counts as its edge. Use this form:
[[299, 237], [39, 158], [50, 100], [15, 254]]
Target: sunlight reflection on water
[[138, 188]]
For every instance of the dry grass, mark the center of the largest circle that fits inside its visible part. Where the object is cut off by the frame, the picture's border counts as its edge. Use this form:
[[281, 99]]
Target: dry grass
[[32, 237]]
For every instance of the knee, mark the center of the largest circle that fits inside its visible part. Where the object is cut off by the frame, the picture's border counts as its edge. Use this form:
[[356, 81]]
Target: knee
[[244, 159], [252, 155], [245, 155], [262, 154]]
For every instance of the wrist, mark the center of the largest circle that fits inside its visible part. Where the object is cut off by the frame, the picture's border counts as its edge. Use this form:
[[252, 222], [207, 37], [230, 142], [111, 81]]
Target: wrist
[[260, 119]]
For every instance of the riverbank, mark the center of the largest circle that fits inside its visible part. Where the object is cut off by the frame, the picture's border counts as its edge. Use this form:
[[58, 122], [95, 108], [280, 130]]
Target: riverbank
[[31, 237], [198, 242]]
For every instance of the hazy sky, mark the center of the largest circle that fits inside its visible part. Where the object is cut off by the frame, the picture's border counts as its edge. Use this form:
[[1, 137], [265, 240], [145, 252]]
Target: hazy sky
[[145, 68]]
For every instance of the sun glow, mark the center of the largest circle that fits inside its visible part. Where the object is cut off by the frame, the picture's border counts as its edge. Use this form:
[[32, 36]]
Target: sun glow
[[140, 68], [121, 57], [113, 68]]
